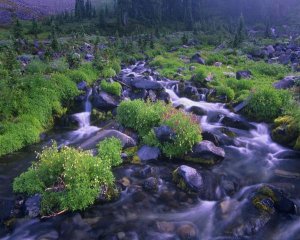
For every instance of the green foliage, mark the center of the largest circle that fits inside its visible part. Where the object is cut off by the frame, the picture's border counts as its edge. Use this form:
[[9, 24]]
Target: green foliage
[[69, 179], [111, 149], [225, 91], [36, 67], [266, 104], [187, 129], [215, 57], [114, 88], [140, 116], [58, 65], [78, 76], [108, 72]]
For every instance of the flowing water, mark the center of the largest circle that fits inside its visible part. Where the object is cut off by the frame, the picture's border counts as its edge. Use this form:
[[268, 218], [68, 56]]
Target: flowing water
[[252, 159]]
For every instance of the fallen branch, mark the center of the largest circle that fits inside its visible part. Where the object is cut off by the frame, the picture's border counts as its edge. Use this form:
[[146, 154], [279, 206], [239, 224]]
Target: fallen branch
[[54, 214]]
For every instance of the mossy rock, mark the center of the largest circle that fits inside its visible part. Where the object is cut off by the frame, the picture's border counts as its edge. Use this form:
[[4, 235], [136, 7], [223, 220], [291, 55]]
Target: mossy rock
[[285, 131], [228, 133], [202, 161], [297, 144]]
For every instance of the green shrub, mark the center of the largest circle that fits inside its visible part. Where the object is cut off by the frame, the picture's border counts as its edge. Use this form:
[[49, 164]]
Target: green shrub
[[58, 65], [111, 149], [78, 76], [266, 104], [115, 65], [114, 88], [69, 179], [139, 115], [225, 91], [187, 129], [36, 67], [108, 72], [199, 76], [215, 57]]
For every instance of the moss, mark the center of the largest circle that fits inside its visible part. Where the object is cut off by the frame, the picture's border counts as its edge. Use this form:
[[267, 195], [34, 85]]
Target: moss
[[136, 159], [228, 133], [203, 161], [297, 144], [263, 193], [285, 130]]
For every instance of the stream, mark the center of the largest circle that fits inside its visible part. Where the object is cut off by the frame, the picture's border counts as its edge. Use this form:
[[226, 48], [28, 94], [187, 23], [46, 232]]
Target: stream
[[220, 212]]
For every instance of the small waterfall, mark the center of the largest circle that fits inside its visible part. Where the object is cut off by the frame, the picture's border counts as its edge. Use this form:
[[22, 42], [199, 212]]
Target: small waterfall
[[83, 118]]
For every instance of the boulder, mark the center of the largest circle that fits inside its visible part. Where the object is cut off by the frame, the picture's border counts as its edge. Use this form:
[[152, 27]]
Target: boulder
[[284, 59], [206, 153], [89, 57], [270, 50], [82, 86], [142, 83], [236, 123], [33, 206], [198, 111], [104, 101], [164, 134], [287, 82], [187, 178], [92, 142], [147, 153], [243, 74], [211, 137], [197, 59]]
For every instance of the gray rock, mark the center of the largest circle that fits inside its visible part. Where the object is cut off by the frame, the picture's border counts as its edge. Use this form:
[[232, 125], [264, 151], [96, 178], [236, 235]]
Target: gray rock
[[89, 57], [236, 123], [103, 134], [147, 153], [33, 206], [142, 83], [164, 134], [206, 152], [284, 59], [82, 86], [243, 74], [270, 49], [190, 178], [197, 59], [104, 101], [287, 82], [198, 111]]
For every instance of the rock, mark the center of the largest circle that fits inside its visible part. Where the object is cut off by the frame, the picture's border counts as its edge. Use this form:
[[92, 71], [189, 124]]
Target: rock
[[198, 111], [104, 101], [243, 74], [236, 123], [33, 206], [284, 59], [152, 96], [197, 59], [192, 68], [187, 231], [6, 207], [164, 134], [141, 83], [190, 90], [229, 74], [82, 86], [151, 184], [287, 82], [285, 131], [211, 137], [147, 153], [140, 94], [270, 50], [241, 105], [188, 178], [218, 64], [206, 152], [89, 57], [103, 134], [165, 227]]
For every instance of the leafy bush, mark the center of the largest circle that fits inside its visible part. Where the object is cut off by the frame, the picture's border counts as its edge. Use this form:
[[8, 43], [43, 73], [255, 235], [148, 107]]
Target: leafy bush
[[187, 129], [199, 76], [78, 76], [108, 72], [69, 179], [139, 115], [215, 57], [266, 104], [225, 91], [36, 67], [114, 88], [59, 65]]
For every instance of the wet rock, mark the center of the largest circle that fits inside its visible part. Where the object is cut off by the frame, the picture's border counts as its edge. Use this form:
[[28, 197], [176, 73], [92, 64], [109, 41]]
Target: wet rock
[[82, 86], [243, 74], [145, 172], [211, 137], [103, 134], [104, 101], [164, 134], [206, 153], [147, 153], [151, 184], [284, 59], [33, 206], [187, 231], [6, 207], [197, 59], [187, 178], [152, 96], [165, 227], [198, 111], [164, 96], [287, 82], [141, 83], [140, 94], [236, 123]]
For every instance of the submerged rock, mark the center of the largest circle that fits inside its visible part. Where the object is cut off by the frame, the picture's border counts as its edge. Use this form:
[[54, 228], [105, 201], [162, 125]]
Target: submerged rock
[[206, 153], [33, 206], [198, 110], [151, 184], [188, 178]]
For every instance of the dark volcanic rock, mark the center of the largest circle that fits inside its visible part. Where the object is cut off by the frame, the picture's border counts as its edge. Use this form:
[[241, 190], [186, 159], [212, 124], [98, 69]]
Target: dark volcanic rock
[[236, 123], [164, 134], [197, 59], [198, 111]]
